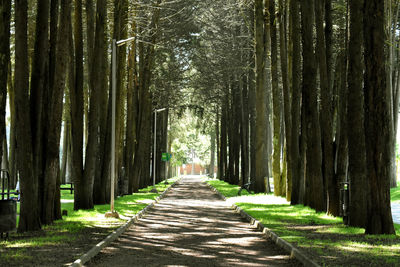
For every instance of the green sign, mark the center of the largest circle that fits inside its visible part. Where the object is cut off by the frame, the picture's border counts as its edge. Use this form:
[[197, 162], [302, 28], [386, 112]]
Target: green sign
[[166, 156]]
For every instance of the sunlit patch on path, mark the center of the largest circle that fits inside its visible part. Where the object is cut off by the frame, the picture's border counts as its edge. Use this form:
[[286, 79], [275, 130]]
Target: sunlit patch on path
[[192, 227]]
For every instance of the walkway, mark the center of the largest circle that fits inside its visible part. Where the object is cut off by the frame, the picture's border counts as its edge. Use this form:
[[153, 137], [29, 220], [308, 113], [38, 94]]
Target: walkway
[[396, 212], [191, 226]]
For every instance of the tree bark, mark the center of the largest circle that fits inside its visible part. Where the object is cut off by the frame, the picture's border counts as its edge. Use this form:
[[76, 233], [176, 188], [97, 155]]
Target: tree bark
[[355, 116], [314, 183], [13, 151], [76, 98], [276, 105], [223, 150], [379, 133], [131, 113], [330, 183], [286, 95], [5, 18], [212, 152], [261, 160], [65, 151], [29, 213], [39, 96], [52, 167], [342, 156], [295, 104], [244, 103]]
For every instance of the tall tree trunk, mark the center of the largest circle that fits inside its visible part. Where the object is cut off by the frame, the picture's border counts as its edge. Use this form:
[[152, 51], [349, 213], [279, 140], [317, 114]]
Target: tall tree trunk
[[378, 127], [54, 17], [39, 95], [286, 95], [342, 156], [65, 147], [236, 120], [29, 219], [5, 18], [131, 113], [261, 161], [90, 30], [120, 32], [90, 35], [52, 167], [212, 152], [230, 173], [218, 140], [102, 186], [146, 62], [330, 182], [13, 151], [77, 109], [295, 104], [314, 183], [390, 82], [355, 116], [223, 144], [276, 105], [94, 120], [244, 127]]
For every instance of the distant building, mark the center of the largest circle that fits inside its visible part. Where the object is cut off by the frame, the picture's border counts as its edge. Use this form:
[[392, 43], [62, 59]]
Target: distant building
[[186, 169]]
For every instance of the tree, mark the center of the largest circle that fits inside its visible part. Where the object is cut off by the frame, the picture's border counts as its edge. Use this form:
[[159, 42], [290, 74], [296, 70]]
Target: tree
[[282, 18], [5, 17], [76, 95], [378, 130], [29, 213], [314, 184], [295, 160], [261, 113], [355, 116], [277, 107], [330, 183], [39, 94], [52, 167]]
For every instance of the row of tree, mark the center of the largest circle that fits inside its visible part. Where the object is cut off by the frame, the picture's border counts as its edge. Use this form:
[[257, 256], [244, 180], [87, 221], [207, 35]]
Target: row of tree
[[307, 89], [319, 109], [55, 61]]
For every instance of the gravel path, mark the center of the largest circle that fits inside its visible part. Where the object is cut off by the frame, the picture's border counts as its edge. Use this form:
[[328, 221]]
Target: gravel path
[[191, 226]]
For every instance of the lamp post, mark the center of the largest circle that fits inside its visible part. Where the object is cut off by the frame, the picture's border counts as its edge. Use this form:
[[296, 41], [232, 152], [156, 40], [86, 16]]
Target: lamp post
[[154, 190], [115, 43]]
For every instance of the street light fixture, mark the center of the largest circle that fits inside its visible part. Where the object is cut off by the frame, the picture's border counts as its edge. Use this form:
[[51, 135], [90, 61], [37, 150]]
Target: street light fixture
[[115, 43], [154, 190]]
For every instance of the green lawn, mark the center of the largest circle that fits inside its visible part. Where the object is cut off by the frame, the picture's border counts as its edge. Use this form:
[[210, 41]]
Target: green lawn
[[324, 238], [21, 247], [395, 194]]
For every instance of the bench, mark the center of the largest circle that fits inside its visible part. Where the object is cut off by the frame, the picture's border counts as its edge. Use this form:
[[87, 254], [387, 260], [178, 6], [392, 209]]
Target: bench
[[245, 186], [70, 188]]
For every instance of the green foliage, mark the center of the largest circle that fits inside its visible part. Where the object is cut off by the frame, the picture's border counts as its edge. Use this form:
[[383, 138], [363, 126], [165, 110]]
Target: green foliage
[[324, 237], [186, 137]]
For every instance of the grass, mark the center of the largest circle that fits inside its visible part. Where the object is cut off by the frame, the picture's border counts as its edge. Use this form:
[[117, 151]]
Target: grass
[[75, 224], [324, 238], [395, 194]]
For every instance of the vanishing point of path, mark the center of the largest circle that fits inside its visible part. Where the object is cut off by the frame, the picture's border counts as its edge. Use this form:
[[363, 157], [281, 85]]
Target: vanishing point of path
[[192, 226]]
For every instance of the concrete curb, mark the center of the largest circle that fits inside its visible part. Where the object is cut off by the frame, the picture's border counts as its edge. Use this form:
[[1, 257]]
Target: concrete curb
[[294, 252], [114, 235]]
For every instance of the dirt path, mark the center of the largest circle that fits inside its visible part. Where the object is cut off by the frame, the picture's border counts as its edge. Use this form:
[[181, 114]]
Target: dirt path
[[191, 226]]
